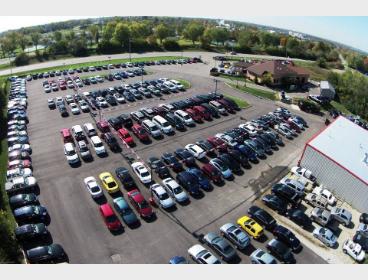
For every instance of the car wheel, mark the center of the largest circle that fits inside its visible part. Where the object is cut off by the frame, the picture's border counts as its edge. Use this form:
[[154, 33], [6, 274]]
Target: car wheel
[[344, 250], [315, 235]]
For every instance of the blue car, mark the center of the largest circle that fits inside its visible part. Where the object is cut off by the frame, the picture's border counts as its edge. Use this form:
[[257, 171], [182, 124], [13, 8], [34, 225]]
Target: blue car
[[178, 260], [125, 211], [247, 151], [189, 182], [202, 180]]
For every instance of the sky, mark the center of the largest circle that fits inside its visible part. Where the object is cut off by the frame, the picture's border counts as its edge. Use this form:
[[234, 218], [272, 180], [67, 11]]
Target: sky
[[349, 30]]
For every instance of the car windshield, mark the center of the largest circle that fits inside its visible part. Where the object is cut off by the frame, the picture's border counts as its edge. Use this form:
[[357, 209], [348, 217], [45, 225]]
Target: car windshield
[[98, 144], [95, 189], [143, 205], [145, 174], [111, 219], [177, 190], [164, 196], [154, 127], [111, 184], [70, 153]]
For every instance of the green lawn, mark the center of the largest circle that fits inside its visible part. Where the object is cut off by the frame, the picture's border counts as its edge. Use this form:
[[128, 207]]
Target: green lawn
[[241, 102], [185, 83], [316, 73], [96, 63], [255, 91]]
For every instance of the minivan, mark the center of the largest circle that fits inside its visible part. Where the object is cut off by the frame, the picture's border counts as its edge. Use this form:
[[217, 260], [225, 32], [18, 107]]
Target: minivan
[[89, 129], [184, 117], [152, 128], [163, 124]]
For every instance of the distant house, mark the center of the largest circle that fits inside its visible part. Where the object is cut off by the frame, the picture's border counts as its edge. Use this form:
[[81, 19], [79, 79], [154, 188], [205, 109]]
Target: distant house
[[240, 67], [327, 90], [277, 73]]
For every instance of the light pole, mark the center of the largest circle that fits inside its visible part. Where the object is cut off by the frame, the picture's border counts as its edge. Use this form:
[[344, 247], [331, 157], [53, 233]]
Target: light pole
[[141, 67], [109, 58], [130, 49], [216, 81]]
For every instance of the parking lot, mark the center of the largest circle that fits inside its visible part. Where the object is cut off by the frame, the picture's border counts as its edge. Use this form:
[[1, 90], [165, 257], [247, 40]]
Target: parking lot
[[75, 220]]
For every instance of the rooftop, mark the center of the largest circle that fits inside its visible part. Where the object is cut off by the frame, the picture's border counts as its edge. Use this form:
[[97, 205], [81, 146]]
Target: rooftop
[[278, 68], [346, 143]]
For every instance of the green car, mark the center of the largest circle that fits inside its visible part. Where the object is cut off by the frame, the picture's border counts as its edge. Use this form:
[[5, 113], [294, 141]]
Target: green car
[[122, 207]]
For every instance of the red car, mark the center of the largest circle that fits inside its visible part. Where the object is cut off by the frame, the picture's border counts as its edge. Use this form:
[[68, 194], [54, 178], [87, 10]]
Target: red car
[[194, 115], [125, 136], [159, 111], [140, 204], [140, 132], [103, 126], [203, 112], [219, 144], [66, 135], [294, 126], [19, 163], [112, 222], [62, 85], [212, 173]]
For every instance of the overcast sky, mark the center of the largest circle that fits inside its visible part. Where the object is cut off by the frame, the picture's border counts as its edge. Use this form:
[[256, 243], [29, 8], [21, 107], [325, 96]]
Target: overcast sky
[[348, 30]]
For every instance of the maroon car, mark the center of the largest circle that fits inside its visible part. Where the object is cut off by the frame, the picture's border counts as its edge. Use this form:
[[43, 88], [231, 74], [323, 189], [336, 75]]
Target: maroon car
[[203, 112], [140, 132], [227, 105], [159, 111], [212, 173], [103, 126], [194, 115], [218, 144]]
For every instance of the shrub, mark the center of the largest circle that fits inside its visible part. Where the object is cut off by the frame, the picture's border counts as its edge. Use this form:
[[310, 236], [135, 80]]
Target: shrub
[[171, 45], [21, 59]]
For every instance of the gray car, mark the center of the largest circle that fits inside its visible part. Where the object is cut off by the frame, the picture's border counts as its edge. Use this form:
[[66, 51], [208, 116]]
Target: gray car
[[235, 235], [261, 257], [326, 236], [341, 215], [220, 245]]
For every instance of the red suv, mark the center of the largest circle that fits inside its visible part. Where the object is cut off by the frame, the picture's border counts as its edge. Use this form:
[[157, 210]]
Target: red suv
[[212, 173], [140, 204], [217, 143], [112, 222], [125, 136], [194, 115], [202, 112], [140, 132]]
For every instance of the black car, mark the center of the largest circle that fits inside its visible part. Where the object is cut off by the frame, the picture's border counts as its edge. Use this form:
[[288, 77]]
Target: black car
[[275, 203], [262, 143], [31, 231], [269, 140], [185, 156], [364, 218], [256, 147], [159, 167], [239, 157], [125, 178], [275, 137], [280, 251], [175, 121], [21, 200], [111, 100], [362, 239], [262, 216], [286, 193], [128, 96], [299, 217], [111, 141], [170, 160], [46, 254], [287, 237], [125, 120], [30, 213], [63, 111], [148, 113], [115, 123], [207, 147], [230, 162], [189, 182], [232, 103]]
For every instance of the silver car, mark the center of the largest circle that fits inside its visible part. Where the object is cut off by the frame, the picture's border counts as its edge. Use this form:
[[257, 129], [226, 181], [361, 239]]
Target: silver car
[[326, 236], [362, 228], [175, 190], [261, 257], [341, 215], [220, 245], [235, 235]]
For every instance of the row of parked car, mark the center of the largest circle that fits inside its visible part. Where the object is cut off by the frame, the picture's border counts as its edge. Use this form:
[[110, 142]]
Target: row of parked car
[[21, 186], [67, 72]]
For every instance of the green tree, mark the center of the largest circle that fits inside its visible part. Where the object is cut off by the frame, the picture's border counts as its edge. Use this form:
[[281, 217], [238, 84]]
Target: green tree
[[220, 35], [139, 29], [108, 31], [193, 31], [22, 40], [35, 38], [122, 33], [94, 32], [162, 32], [58, 36]]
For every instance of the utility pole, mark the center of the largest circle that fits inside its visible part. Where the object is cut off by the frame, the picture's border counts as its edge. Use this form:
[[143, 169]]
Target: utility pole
[[216, 81], [130, 49]]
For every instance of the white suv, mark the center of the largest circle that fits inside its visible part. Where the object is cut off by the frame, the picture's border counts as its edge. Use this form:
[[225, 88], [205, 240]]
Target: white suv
[[70, 153], [98, 145], [184, 117]]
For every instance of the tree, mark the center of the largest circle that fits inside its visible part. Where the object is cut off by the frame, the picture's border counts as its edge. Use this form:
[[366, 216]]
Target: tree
[[193, 31], [248, 39], [122, 33], [322, 62], [35, 38], [162, 32], [139, 29], [58, 36], [95, 32], [8, 45], [220, 35], [108, 31]]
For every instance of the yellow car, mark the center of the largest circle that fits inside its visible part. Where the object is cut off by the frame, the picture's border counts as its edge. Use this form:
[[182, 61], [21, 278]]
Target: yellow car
[[250, 226], [109, 182]]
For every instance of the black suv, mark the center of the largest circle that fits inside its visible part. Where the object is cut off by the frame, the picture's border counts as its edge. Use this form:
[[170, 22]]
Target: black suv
[[115, 123], [286, 193], [280, 251], [159, 167], [31, 231], [111, 141], [262, 216], [125, 177], [126, 120], [286, 236], [46, 254]]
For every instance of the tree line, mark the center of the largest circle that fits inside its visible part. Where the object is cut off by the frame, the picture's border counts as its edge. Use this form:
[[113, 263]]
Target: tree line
[[139, 34]]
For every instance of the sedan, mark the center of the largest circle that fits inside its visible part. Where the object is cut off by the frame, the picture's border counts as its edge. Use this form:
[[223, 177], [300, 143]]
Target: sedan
[[109, 182], [185, 156], [212, 173], [261, 216], [140, 132], [93, 187], [30, 213], [201, 255], [299, 217], [21, 200], [172, 161], [220, 245], [362, 239], [261, 257], [140, 204], [122, 207], [280, 251], [275, 203], [159, 167], [235, 235], [222, 168], [53, 253], [142, 172], [29, 232], [196, 151], [125, 178], [202, 180], [175, 190], [286, 236], [326, 236]]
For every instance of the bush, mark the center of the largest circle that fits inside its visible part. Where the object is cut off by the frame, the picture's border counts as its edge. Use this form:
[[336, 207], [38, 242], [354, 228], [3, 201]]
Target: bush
[[21, 59], [79, 49], [108, 47], [171, 45]]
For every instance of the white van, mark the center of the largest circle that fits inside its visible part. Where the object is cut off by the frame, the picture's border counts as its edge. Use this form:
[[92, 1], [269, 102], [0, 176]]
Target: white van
[[89, 129], [162, 124], [184, 117], [152, 128], [98, 145]]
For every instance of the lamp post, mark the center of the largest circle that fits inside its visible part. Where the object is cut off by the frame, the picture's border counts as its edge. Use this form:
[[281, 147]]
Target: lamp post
[[130, 49], [109, 58], [216, 81]]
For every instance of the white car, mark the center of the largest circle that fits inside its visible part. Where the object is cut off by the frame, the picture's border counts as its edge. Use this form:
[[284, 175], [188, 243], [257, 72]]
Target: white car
[[354, 250], [93, 187], [178, 85], [74, 108], [19, 172], [171, 86], [59, 100], [69, 99], [70, 153], [304, 173], [47, 89], [184, 117], [196, 151], [167, 107], [326, 194], [325, 235], [175, 190], [120, 98], [98, 145], [201, 255], [16, 133], [227, 139], [142, 172], [284, 131], [101, 101], [252, 131], [161, 197], [83, 105], [24, 181]]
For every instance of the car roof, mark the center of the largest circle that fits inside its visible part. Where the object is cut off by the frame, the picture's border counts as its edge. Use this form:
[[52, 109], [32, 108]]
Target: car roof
[[107, 210]]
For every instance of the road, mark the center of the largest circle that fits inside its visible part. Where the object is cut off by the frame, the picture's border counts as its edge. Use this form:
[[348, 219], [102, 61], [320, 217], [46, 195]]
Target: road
[[75, 222]]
